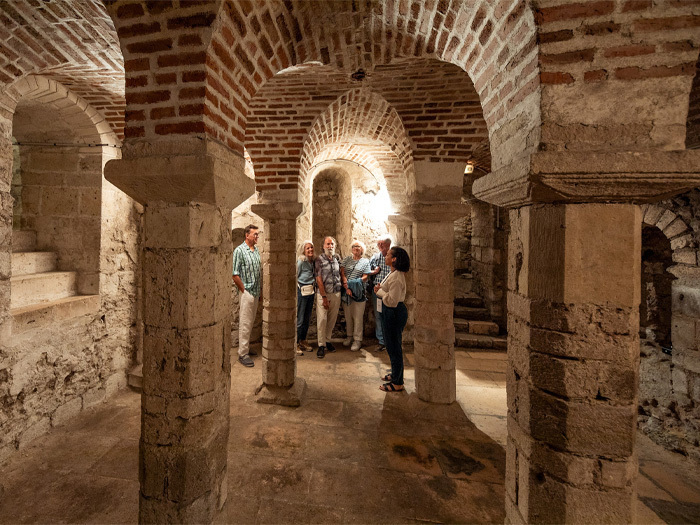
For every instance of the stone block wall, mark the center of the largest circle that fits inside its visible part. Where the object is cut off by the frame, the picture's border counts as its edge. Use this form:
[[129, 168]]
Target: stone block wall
[[51, 372], [61, 202], [669, 384]]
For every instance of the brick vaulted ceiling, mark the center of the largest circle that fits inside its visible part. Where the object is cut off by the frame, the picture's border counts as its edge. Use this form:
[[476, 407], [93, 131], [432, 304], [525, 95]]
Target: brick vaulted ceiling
[[437, 104], [74, 43]]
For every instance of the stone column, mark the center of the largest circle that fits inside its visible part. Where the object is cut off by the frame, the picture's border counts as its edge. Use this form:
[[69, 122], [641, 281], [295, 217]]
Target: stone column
[[433, 277], [188, 189], [279, 382], [6, 212], [573, 351]]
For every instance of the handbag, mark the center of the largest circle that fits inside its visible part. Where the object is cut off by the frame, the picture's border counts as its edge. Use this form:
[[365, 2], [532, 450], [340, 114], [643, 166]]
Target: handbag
[[306, 290]]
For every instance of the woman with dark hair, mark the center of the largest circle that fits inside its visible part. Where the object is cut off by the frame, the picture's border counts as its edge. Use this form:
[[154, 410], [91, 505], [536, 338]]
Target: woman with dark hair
[[392, 292]]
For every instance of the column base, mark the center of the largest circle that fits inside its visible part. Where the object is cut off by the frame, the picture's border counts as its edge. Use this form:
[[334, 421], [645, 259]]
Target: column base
[[278, 395], [436, 385]]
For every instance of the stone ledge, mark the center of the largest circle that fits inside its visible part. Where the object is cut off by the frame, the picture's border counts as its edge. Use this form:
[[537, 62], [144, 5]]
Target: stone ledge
[[38, 315], [584, 176]]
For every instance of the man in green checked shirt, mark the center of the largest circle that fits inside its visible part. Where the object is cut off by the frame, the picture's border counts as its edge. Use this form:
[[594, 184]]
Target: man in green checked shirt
[[246, 276]]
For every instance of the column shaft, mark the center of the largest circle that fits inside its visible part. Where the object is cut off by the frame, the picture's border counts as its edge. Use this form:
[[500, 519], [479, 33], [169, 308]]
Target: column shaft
[[279, 382], [434, 332], [573, 351], [186, 363]]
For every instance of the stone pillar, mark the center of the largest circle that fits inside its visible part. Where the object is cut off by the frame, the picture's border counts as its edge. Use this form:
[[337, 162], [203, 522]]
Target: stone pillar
[[573, 351], [433, 331], [279, 382], [186, 362], [6, 211], [188, 189]]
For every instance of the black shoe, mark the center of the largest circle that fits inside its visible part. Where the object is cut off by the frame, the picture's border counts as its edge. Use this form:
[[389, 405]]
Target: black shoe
[[381, 348], [321, 352], [330, 347]]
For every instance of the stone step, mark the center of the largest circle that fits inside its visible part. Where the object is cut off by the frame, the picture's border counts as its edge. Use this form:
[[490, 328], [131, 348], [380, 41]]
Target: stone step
[[469, 299], [476, 327], [471, 313], [24, 263], [463, 284], [36, 315], [37, 288], [23, 240], [135, 377], [464, 340]]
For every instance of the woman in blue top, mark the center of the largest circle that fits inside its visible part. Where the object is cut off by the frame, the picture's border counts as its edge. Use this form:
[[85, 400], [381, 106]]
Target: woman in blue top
[[305, 294], [354, 271]]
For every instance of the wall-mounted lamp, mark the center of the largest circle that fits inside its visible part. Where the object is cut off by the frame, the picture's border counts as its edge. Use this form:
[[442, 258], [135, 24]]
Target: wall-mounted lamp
[[469, 169]]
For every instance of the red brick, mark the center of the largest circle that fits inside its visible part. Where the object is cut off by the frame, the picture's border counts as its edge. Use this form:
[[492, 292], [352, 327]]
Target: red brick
[[139, 30], [182, 59], [134, 132], [129, 11], [595, 76], [629, 51], [137, 64], [189, 40], [634, 73], [151, 46], [191, 109], [136, 81], [582, 55], [166, 78], [636, 5], [147, 97], [666, 24], [601, 28], [192, 21], [161, 113], [556, 36], [180, 128], [195, 92], [556, 78], [194, 76], [572, 11]]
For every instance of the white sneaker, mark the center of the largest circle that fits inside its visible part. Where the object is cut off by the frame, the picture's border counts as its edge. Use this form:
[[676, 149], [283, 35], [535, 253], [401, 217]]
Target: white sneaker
[[347, 341], [355, 346]]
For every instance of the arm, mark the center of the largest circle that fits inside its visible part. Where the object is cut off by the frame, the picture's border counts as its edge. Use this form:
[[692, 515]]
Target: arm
[[393, 290], [322, 291], [344, 281], [239, 283], [236, 272]]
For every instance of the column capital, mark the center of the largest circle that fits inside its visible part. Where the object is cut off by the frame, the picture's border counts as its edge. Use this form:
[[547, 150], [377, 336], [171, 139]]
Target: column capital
[[435, 211], [181, 171], [278, 210], [584, 176]]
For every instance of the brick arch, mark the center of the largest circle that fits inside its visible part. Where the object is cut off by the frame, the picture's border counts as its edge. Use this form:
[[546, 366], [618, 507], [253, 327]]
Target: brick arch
[[233, 48], [73, 43], [436, 102], [673, 226], [88, 124], [363, 127]]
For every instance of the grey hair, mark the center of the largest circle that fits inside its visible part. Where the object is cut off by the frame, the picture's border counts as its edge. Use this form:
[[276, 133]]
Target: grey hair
[[385, 237], [302, 248], [362, 245]]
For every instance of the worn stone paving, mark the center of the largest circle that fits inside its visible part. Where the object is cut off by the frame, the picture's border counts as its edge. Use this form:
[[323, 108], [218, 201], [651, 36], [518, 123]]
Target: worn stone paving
[[350, 454]]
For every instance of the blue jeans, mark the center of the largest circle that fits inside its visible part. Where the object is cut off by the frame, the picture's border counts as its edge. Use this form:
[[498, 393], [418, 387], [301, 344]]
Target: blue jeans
[[379, 330], [304, 306], [394, 323]]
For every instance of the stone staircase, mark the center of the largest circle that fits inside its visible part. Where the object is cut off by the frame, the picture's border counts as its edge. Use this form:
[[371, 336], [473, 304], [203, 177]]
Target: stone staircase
[[473, 325], [39, 292]]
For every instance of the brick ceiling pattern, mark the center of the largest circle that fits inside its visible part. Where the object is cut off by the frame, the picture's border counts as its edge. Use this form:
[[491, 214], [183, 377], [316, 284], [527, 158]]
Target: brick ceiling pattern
[[73, 43], [369, 123]]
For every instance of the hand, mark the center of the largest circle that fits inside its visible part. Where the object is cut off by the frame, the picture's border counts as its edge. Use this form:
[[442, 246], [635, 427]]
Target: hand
[[326, 304], [348, 291], [376, 288]]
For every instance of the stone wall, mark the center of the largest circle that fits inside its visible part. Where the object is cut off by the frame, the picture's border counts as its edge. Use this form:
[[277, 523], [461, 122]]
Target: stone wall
[[669, 396], [64, 364], [692, 136]]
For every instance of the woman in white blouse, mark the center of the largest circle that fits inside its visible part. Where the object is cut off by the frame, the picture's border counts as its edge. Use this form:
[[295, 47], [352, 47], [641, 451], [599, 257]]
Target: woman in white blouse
[[392, 292]]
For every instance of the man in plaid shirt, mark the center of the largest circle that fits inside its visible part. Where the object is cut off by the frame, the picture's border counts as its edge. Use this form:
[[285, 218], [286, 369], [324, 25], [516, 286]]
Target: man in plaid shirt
[[380, 270], [247, 277]]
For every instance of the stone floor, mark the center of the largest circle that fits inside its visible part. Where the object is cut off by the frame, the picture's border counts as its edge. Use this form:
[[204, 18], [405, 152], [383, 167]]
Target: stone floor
[[350, 454]]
